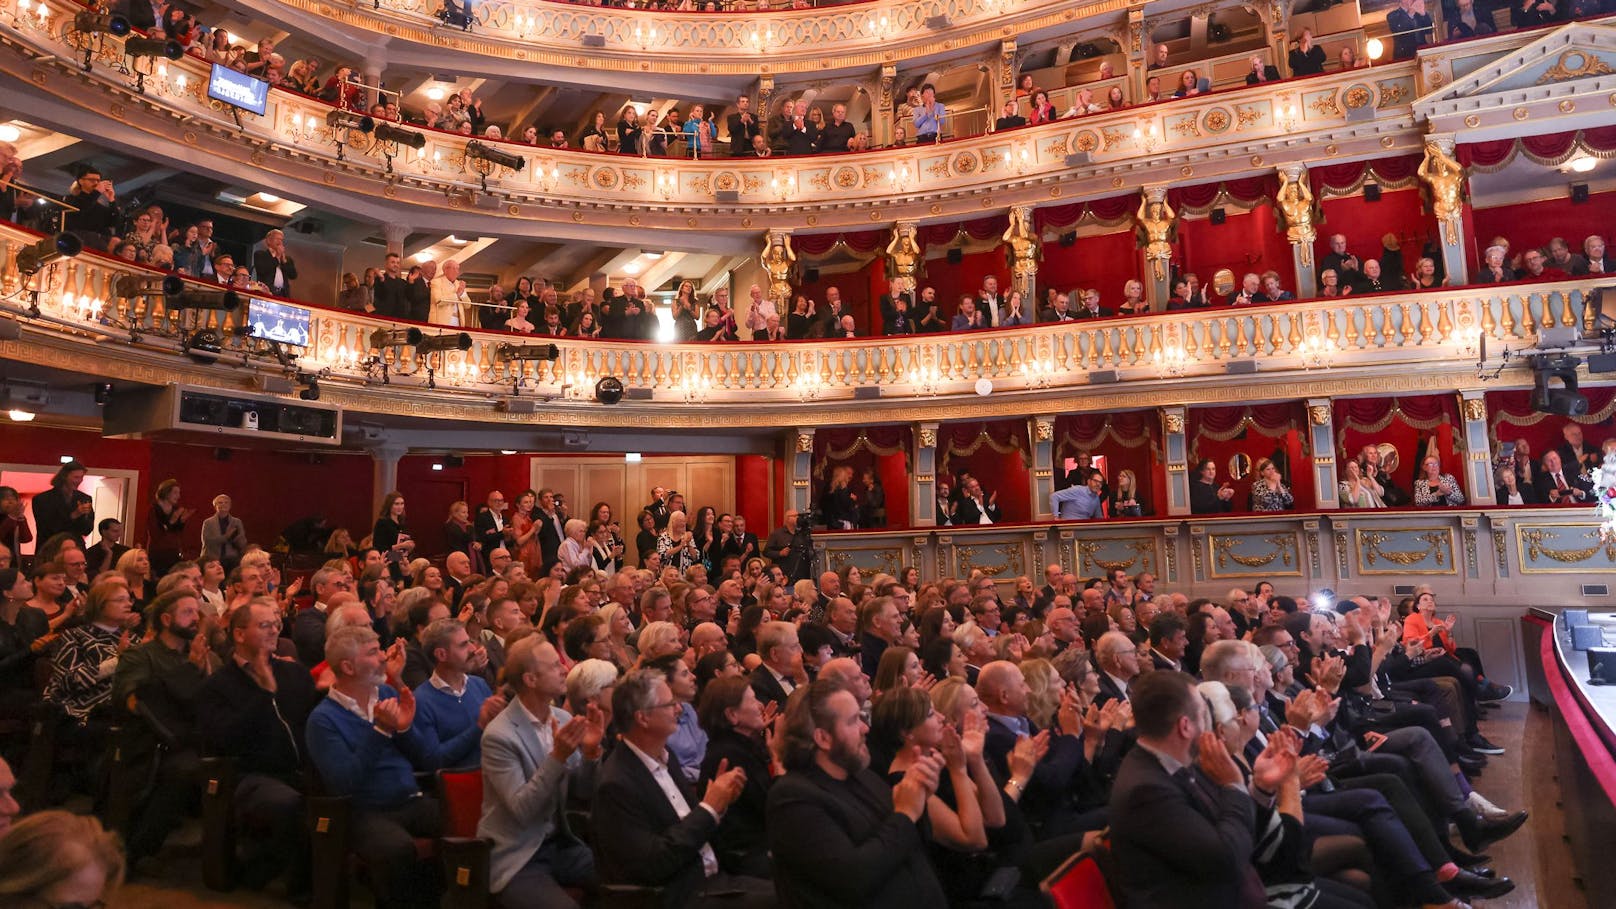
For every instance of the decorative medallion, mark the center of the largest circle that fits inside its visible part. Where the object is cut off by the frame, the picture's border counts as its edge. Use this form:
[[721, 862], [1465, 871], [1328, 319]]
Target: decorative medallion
[[1216, 120], [725, 181], [578, 217], [1117, 181], [1186, 171], [117, 110], [513, 209], [1319, 414], [845, 178], [936, 209], [1086, 141], [690, 222], [605, 178], [331, 179], [1357, 96], [1174, 422], [1256, 160], [1520, 113], [189, 137], [1388, 141], [813, 220], [1054, 192], [746, 222], [1474, 121], [1331, 150], [634, 221], [1567, 106], [875, 216], [390, 191], [257, 157], [1474, 409]]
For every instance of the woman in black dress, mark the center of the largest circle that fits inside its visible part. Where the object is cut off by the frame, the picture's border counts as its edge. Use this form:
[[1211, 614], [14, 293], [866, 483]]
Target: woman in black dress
[[733, 718], [389, 535]]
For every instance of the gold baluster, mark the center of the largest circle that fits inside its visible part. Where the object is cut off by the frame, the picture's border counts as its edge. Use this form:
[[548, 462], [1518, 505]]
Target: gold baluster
[[1138, 344], [1295, 337], [1528, 324], [1191, 345], [1407, 330], [1507, 327], [1589, 316], [1444, 321], [1567, 319], [1426, 328]]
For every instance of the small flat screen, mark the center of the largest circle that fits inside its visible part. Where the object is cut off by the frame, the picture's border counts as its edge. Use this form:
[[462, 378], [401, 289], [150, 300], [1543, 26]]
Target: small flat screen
[[238, 89], [272, 321]]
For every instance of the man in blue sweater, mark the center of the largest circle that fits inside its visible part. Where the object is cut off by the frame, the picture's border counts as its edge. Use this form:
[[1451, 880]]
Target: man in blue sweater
[[363, 742], [454, 705]]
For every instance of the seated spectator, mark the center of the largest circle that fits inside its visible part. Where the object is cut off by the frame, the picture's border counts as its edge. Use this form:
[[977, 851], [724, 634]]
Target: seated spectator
[[1465, 22], [1261, 72], [1558, 485], [652, 829], [1306, 58], [1083, 104], [1494, 268], [1059, 311], [1010, 117], [1424, 275], [1349, 58], [1330, 284], [968, 318], [1014, 311], [1370, 282], [87, 656], [454, 705], [1433, 487], [868, 849], [1536, 268], [1529, 13], [1089, 306], [363, 742], [733, 718], [1358, 491], [1268, 491], [1510, 491], [1189, 84], [1115, 99], [1042, 110], [1133, 299], [1561, 257], [1250, 291], [533, 755], [1410, 26], [1271, 291], [1127, 500], [1593, 257], [1153, 90], [1159, 59], [1206, 496], [59, 860]]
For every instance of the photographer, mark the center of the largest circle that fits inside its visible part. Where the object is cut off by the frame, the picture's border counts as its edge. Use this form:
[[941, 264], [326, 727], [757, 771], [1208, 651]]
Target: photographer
[[96, 220]]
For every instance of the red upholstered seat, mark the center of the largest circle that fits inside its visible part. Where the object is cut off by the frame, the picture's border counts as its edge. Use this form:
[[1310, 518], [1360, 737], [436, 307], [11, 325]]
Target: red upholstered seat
[[461, 794], [1078, 884]]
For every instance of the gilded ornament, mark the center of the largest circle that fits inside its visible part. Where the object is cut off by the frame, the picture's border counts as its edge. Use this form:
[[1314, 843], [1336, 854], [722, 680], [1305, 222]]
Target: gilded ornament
[[1567, 106], [1173, 420], [1044, 430], [1295, 201], [1575, 64], [1438, 549], [1474, 409], [1520, 113], [1319, 414], [1474, 121], [777, 259], [1157, 226], [928, 437], [805, 443], [1534, 544], [1446, 178]]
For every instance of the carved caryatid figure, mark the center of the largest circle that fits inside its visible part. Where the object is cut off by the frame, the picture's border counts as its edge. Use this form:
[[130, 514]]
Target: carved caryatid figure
[[1157, 225], [777, 261], [1445, 176], [1295, 200], [903, 255], [1025, 248]]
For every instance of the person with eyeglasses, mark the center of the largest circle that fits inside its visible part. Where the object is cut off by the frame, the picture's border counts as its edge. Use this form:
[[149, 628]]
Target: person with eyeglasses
[[1118, 660]]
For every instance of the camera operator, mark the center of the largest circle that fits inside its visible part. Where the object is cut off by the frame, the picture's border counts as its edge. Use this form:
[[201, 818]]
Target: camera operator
[[96, 220], [10, 171]]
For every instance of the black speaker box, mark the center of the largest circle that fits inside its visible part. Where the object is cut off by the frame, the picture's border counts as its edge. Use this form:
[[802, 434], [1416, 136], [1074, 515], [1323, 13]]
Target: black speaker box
[[1219, 216], [955, 255]]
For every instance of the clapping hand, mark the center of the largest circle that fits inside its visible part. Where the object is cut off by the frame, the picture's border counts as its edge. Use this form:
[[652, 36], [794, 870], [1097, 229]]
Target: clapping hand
[[490, 709], [974, 735], [1215, 761], [396, 715], [725, 787], [918, 784], [1028, 751], [1276, 764], [949, 747], [395, 658]]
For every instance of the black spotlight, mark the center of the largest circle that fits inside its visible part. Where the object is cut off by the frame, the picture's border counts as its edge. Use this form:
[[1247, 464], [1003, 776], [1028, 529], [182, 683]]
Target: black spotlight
[[153, 47], [312, 391], [101, 23], [102, 392], [204, 345], [1069, 238], [1371, 192], [1565, 401], [48, 250], [955, 255], [609, 390], [810, 275]]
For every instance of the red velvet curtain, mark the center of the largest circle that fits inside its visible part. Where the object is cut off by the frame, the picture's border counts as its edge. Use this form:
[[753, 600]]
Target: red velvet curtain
[[1257, 431], [1398, 212], [1409, 424], [1550, 150], [1245, 191], [1104, 261], [1348, 178], [1061, 217], [1245, 242], [862, 242], [1130, 440], [952, 281], [884, 449], [997, 453]]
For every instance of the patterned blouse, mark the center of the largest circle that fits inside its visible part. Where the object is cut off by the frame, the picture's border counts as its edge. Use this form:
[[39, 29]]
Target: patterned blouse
[[1264, 498], [1427, 494], [676, 557], [81, 677]]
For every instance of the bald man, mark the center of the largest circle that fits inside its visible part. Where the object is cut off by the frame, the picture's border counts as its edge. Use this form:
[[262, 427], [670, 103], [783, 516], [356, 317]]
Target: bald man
[[1047, 795]]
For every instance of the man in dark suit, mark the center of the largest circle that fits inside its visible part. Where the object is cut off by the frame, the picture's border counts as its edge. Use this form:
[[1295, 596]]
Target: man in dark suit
[[867, 849], [659, 507], [1206, 496], [489, 527], [743, 127], [651, 829], [1089, 307], [273, 266], [1576, 457], [1346, 265], [973, 506], [897, 315], [308, 626], [781, 671], [1182, 834], [1169, 636], [1561, 485], [1117, 659], [551, 521], [1010, 118], [1047, 795]]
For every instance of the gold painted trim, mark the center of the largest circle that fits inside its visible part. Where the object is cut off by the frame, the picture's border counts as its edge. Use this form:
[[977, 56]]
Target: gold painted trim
[[1147, 549], [1532, 538], [1286, 551], [1369, 542]]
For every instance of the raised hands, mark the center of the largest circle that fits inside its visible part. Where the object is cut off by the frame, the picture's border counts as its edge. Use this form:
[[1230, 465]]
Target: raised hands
[[918, 784], [396, 715], [1328, 671], [1215, 761], [1277, 763], [725, 787], [1029, 750], [974, 735], [490, 709], [395, 658], [950, 749]]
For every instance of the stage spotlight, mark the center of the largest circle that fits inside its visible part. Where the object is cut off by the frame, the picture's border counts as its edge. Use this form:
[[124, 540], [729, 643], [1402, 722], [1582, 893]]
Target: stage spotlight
[[489, 153], [342, 119], [386, 132], [219, 300], [396, 337], [153, 47], [457, 341], [312, 392], [609, 390], [1565, 401], [48, 250], [128, 286], [101, 24], [505, 353]]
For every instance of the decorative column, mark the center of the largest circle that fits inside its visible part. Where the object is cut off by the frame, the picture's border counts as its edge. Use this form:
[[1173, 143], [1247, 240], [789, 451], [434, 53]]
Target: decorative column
[[1321, 436], [396, 234], [765, 91], [1176, 447], [1004, 81], [904, 255], [1157, 226], [777, 260], [1297, 211], [1043, 465], [1133, 44], [1025, 251], [883, 111], [1445, 177], [800, 470], [384, 456], [923, 470], [375, 64], [1478, 449]]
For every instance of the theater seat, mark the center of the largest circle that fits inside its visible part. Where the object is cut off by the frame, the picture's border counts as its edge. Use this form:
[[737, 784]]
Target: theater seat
[[218, 830], [465, 857], [1078, 884]]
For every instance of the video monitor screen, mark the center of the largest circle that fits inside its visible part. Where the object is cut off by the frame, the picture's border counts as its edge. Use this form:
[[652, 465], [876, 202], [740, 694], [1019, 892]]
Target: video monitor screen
[[268, 320], [238, 89]]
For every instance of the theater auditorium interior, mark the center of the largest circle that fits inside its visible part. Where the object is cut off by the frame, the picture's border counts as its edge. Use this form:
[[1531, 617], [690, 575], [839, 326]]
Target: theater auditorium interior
[[807, 453]]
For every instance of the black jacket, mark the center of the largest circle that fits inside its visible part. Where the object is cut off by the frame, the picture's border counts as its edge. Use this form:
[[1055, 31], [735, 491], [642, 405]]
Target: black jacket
[[391, 297], [308, 635], [741, 134], [969, 514], [648, 843], [864, 853], [1204, 499], [263, 266], [262, 731], [53, 515], [484, 532], [742, 841], [768, 688]]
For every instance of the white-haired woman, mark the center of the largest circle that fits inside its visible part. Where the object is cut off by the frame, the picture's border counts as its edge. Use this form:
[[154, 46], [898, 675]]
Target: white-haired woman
[[575, 551]]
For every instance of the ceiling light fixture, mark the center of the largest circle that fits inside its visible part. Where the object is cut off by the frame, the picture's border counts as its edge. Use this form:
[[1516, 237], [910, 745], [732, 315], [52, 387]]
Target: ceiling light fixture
[[9, 133], [21, 416], [435, 93], [632, 268], [1583, 163], [268, 199]]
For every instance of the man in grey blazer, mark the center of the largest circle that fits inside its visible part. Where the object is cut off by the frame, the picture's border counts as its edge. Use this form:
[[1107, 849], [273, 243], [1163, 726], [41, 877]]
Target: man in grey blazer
[[533, 754]]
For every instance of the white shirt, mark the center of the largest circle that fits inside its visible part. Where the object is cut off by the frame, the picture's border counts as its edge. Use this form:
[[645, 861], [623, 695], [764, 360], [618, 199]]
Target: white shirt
[[1122, 686], [366, 713], [786, 684], [437, 682], [982, 509], [664, 780]]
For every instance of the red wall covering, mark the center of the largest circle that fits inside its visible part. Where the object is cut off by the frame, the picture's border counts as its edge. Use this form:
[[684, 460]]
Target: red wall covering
[[1364, 223], [1244, 243], [1105, 261], [954, 281], [753, 492], [1536, 223]]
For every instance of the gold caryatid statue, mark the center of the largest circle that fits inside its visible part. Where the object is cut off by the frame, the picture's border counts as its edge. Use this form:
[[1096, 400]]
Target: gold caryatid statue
[[903, 255], [777, 261], [1157, 225], [1446, 177], [1295, 200], [1025, 248]]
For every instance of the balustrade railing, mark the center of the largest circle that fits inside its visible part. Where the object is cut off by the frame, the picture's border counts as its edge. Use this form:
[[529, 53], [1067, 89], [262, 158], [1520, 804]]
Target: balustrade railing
[[1446, 326]]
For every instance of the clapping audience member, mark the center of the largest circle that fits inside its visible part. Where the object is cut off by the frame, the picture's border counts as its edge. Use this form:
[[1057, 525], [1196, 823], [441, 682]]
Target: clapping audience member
[[1433, 487]]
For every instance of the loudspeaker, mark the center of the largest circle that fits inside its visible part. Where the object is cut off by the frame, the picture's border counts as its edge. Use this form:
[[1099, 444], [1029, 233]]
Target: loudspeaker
[[204, 411], [955, 255], [866, 392], [1579, 193], [1371, 192], [1104, 377], [1069, 238], [454, 460], [810, 275], [1219, 216], [1240, 367], [272, 384], [938, 23], [594, 41], [1602, 665], [639, 393], [727, 196]]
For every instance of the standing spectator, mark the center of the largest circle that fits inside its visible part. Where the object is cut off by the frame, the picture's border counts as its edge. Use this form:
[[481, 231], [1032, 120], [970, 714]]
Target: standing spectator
[[64, 508], [1433, 487], [1261, 71], [1524, 13], [744, 128], [928, 116], [1010, 117], [1410, 25], [838, 133], [1307, 58], [224, 537], [273, 267]]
